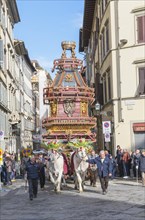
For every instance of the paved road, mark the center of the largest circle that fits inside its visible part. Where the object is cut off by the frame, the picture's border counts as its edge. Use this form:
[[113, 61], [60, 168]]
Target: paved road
[[125, 200]]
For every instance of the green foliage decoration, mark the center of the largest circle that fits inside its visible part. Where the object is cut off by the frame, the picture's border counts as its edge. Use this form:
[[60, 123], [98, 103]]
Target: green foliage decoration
[[53, 145], [81, 143]]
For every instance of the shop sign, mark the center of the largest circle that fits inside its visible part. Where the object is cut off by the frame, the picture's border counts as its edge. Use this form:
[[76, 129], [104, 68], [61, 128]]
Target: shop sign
[[139, 127]]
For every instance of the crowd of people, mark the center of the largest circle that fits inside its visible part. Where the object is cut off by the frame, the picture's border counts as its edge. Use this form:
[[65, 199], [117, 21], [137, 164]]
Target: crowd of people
[[31, 168], [102, 165], [127, 161], [121, 165], [9, 169]]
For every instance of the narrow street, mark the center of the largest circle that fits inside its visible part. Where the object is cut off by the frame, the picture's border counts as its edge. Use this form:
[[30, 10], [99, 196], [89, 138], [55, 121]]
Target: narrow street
[[124, 200]]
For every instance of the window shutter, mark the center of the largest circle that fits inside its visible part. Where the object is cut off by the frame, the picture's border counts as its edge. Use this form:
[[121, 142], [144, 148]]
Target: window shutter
[[97, 25], [0, 13], [142, 81], [141, 29], [107, 37], [1, 53]]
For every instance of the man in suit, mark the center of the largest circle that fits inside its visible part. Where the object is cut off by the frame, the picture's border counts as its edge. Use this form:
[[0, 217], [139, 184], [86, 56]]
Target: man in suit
[[104, 169]]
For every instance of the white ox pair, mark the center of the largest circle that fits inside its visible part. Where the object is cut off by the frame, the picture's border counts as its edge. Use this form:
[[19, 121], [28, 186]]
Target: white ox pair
[[55, 167]]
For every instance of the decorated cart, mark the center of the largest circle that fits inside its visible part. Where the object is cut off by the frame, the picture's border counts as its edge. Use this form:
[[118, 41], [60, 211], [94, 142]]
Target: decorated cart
[[69, 99]]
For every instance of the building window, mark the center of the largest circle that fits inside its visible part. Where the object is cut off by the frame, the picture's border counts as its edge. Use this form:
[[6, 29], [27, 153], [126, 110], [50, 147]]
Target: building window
[[141, 29], [107, 36], [141, 88], [109, 85], [104, 88], [3, 94], [3, 123], [103, 6], [2, 17], [1, 54], [102, 45], [104, 40]]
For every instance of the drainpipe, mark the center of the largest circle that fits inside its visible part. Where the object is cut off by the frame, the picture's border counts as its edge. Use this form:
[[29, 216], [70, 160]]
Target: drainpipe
[[117, 29]]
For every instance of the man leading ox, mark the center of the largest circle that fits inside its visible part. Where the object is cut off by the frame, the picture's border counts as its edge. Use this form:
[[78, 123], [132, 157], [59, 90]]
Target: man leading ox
[[104, 169]]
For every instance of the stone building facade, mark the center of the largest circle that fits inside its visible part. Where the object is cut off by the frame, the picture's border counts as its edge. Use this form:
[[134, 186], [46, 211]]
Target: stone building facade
[[113, 38], [17, 114], [40, 80]]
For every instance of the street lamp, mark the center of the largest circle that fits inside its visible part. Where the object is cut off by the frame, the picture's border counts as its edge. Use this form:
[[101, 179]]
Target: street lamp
[[97, 106], [98, 115]]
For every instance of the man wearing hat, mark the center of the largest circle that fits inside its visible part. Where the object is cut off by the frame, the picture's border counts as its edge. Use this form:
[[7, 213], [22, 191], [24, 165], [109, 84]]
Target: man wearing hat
[[142, 166], [32, 169]]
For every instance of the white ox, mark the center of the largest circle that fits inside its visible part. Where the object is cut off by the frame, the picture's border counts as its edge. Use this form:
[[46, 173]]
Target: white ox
[[55, 167], [80, 167]]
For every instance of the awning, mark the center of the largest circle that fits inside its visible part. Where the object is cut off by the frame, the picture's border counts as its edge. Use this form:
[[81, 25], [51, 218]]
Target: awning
[[137, 127]]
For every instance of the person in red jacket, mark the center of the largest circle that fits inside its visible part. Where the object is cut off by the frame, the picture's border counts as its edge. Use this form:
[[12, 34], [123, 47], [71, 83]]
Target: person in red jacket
[[126, 163]]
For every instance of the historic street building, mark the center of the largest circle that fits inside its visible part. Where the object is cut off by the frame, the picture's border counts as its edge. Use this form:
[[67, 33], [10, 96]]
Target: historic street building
[[40, 80], [113, 38], [9, 16], [25, 98], [17, 111]]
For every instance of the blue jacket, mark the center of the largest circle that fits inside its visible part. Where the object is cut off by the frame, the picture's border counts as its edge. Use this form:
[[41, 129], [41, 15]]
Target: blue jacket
[[136, 159], [103, 168], [142, 163], [32, 170]]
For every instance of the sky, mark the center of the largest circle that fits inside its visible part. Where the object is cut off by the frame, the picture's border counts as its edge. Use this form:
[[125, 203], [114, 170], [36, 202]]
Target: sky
[[45, 24]]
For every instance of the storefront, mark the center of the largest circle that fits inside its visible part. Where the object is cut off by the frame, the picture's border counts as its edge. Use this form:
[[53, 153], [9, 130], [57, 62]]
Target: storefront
[[139, 135]]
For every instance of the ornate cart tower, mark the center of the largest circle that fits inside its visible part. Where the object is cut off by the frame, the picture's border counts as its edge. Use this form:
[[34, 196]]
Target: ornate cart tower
[[69, 98]]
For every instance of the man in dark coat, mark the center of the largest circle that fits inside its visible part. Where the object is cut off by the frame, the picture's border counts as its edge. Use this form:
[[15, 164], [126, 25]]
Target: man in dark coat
[[32, 169], [104, 169], [142, 166], [135, 158], [42, 166]]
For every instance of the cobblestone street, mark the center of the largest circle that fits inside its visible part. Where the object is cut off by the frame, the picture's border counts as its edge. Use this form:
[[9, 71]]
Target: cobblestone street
[[125, 200]]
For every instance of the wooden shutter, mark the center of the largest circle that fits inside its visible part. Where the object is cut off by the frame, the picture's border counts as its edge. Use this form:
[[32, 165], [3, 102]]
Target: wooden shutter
[[107, 37], [1, 53], [97, 25], [142, 81], [141, 29]]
